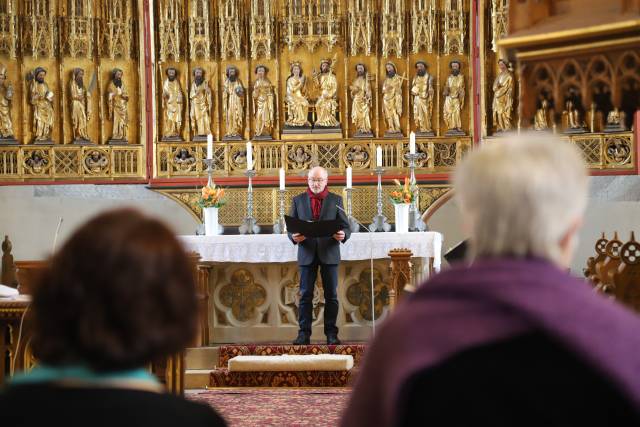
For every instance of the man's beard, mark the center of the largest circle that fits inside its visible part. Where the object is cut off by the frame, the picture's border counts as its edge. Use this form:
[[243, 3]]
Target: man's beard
[[455, 72], [361, 73], [40, 79], [117, 82], [199, 80], [232, 78], [79, 82], [422, 72], [172, 78], [391, 73]]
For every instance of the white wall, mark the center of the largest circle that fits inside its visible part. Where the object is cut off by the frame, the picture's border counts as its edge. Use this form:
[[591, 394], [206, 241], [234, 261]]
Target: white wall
[[29, 214]]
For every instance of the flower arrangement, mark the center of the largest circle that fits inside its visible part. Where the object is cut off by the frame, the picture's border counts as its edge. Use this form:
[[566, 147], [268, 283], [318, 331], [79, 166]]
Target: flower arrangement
[[404, 194], [211, 197]]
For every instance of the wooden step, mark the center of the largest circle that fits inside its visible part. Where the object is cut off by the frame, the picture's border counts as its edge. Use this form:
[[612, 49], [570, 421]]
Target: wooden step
[[197, 378]]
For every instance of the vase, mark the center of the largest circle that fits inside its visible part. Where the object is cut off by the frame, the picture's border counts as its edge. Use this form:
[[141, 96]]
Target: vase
[[402, 217], [210, 221]]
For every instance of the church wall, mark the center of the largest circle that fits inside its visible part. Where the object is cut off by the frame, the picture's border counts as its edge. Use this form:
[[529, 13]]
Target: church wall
[[30, 214]]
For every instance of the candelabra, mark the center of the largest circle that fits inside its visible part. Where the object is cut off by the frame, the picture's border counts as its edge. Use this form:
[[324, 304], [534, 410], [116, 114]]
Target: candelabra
[[353, 223], [379, 221], [279, 226], [415, 217], [249, 224]]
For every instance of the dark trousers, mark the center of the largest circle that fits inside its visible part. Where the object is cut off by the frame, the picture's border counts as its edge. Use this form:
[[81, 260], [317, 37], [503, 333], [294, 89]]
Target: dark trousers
[[308, 275]]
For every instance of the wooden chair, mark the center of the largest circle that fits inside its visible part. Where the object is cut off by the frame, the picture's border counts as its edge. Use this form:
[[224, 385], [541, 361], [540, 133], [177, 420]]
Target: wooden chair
[[605, 270], [627, 277]]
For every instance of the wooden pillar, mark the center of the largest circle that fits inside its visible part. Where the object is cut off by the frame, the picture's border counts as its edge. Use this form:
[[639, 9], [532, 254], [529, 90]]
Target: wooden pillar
[[400, 271], [201, 275]]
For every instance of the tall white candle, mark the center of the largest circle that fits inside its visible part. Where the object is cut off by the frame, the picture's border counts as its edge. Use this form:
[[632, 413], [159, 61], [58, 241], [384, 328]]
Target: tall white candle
[[349, 177], [249, 156], [209, 146], [412, 143], [281, 179], [379, 156]]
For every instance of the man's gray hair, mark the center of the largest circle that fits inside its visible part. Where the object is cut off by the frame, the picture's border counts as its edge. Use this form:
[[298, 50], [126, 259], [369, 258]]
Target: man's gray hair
[[520, 195]]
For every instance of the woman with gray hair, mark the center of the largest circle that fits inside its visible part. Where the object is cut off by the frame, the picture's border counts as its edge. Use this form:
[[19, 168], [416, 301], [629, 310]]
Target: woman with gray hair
[[511, 338]]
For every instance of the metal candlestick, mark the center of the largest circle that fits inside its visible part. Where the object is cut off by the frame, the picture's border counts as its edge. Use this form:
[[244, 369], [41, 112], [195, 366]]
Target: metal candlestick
[[279, 227], [249, 224], [353, 224], [209, 163], [415, 217], [380, 222]]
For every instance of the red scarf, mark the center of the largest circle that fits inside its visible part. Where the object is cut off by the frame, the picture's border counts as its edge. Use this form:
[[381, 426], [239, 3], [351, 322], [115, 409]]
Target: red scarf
[[316, 201]]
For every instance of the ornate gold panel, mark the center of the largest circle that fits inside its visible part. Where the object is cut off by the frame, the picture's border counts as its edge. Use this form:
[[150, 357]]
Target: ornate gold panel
[[361, 26], [359, 294], [9, 28], [243, 295], [117, 30], [424, 25], [262, 29], [229, 23], [392, 27], [200, 30], [78, 28], [311, 23], [170, 29], [454, 18], [39, 31]]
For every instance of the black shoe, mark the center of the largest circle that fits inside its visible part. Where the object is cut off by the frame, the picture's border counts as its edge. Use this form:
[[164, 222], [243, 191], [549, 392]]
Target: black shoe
[[302, 339], [333, 340]]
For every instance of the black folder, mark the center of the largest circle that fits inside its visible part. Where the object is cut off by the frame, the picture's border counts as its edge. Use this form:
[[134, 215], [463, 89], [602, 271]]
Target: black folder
[[322, 228]]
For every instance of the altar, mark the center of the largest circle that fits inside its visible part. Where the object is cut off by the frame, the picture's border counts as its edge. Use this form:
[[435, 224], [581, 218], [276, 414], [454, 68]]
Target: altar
[[252, 283]]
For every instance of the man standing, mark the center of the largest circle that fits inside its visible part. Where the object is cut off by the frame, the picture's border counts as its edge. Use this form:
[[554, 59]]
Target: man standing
[[454, 100], [422, 92], [80, 106], [233, 103], [392, 99], [317, 203]]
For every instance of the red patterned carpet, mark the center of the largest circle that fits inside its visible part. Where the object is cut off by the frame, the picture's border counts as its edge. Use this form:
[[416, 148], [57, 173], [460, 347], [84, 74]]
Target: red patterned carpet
[[248, 407], [221, 377]]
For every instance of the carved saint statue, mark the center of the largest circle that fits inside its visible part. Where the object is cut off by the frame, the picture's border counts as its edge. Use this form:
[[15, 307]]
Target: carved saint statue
[[454, 99], [422, 93], [201, 104], [392, 98], [263, 102], [503, 97], [361, 102], [172, 100], [6, 94], [41, 98], [80, 106], [233, 102], [572, 108], [540, 121], [326, 104], [117, 100], [297, 102], [615, 121]]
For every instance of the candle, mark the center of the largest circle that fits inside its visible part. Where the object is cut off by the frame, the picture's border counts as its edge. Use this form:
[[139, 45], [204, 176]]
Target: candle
[[349, 177], [412, 143], [209, 146], [281, 179], [379, 156], [249, 156]]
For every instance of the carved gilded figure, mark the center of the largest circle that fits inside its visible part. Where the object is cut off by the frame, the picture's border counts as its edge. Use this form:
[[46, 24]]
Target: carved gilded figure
[[41, 98], [201, 104], [392, 98], [540, 120], [503, 97], [233, 102], [615, 121], [454, 92], [172, 100], [361, 101], [326, 104], [6, 95], [263, 105], [572, 107], [80, 106], [117, 100], [297, 102], [422, 93]]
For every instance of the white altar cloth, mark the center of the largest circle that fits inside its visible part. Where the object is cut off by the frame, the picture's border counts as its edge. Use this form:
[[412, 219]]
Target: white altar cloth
[[270, 248]]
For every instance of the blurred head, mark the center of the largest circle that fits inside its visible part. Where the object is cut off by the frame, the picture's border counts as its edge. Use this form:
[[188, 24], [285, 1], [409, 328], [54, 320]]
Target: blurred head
[[455, 67], [318, 177], [172, 73], [119, 294], [523, 196]]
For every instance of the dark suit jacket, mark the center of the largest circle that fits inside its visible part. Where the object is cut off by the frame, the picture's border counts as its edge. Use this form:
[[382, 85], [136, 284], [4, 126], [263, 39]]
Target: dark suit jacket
[[326, 248]]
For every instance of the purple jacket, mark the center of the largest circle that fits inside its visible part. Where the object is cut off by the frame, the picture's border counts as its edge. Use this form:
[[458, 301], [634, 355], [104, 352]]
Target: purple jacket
[[495, 299]]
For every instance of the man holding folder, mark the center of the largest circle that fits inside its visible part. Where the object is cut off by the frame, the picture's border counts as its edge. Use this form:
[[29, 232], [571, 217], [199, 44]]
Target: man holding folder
[[317, 203]]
